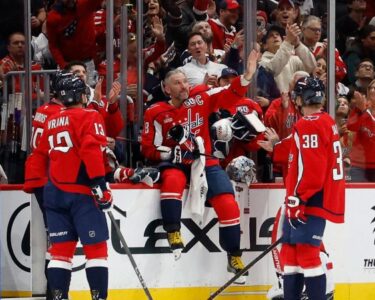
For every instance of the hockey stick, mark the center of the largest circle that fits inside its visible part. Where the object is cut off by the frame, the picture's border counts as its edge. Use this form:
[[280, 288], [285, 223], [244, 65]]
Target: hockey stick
[[120, 138], [244, 270], [119, 210], [201, 154], [132, 261]]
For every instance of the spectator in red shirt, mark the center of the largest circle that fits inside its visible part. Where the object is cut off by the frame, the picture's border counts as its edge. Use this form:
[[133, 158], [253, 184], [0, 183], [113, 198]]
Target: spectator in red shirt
[[15, 60], [362, 122], [223, 27], [71, 32]]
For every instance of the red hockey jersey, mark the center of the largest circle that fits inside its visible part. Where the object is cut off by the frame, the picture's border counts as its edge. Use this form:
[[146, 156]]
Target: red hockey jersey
[[316, 165], [40, 118], [192, 114], [363, 148], [111, 114], [221, 34], [71, 148], [71, 32]]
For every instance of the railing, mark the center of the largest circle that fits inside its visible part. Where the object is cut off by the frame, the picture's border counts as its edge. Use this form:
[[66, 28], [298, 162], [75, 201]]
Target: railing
[[13, 125]]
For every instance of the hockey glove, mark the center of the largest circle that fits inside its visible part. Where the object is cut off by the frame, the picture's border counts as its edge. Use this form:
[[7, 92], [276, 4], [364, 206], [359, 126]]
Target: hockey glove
[[121, 174], [296, 211], [102, 195], [178, 155], [146, 175], [188, 145]]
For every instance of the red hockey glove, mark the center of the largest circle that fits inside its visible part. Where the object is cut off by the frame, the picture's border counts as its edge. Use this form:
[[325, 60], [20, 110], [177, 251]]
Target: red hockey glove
[[122, 174], [102, 195], [296, 211]]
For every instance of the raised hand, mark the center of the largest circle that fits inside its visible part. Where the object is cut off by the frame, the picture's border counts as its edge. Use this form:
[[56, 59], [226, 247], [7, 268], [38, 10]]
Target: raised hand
[[157, 28], [251, 64]]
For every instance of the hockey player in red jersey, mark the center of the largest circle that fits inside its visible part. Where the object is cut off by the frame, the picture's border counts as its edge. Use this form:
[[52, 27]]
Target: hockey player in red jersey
[[280, 153], [75, 192], [39, 120], [176, 151], [315, 189]]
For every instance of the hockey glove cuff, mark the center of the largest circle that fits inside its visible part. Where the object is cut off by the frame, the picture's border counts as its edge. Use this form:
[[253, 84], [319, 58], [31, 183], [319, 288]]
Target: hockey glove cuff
[[122, 174], [102, 194], [296, 211]]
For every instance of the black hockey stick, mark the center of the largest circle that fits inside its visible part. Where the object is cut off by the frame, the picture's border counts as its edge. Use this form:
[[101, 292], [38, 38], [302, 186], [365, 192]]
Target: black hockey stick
[[119, 210], [132, 261], [244, 270], [201, 154]]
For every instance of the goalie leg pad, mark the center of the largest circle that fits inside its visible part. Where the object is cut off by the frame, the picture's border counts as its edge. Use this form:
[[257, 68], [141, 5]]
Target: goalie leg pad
[[228, 214], [277, 233], [173, 183], [95, 251]]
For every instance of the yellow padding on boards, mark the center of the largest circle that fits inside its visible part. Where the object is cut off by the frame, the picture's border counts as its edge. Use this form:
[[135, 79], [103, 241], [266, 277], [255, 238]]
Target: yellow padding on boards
[[15, 294], [354, 291]]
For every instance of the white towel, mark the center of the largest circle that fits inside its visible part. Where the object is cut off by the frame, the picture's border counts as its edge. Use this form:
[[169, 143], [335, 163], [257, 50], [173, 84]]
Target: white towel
[[198, 186]]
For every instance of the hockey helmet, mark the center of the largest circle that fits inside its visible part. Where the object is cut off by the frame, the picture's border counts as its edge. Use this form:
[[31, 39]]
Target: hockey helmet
[[242, 169], [221, 134], [69, 88], [246, 127], [310, 89]]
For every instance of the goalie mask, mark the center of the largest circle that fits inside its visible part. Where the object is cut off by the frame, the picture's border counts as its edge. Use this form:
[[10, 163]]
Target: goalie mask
[[69, 88], [310, 89], [242, 169], [246, 127], [221, 134]]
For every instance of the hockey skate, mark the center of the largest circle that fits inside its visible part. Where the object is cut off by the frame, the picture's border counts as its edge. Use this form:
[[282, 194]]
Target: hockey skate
[[176, 243], [57, 295], [275, 293], [234, 266]]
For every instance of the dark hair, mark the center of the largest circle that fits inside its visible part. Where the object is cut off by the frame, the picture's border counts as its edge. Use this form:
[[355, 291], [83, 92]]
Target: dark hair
[[75, 63], [192, 34], [366, 31], [14, 33], [365, 60]]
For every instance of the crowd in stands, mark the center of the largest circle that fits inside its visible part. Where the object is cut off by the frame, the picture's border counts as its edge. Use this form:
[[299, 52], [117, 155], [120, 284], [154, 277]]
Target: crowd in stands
[[205, 39]]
